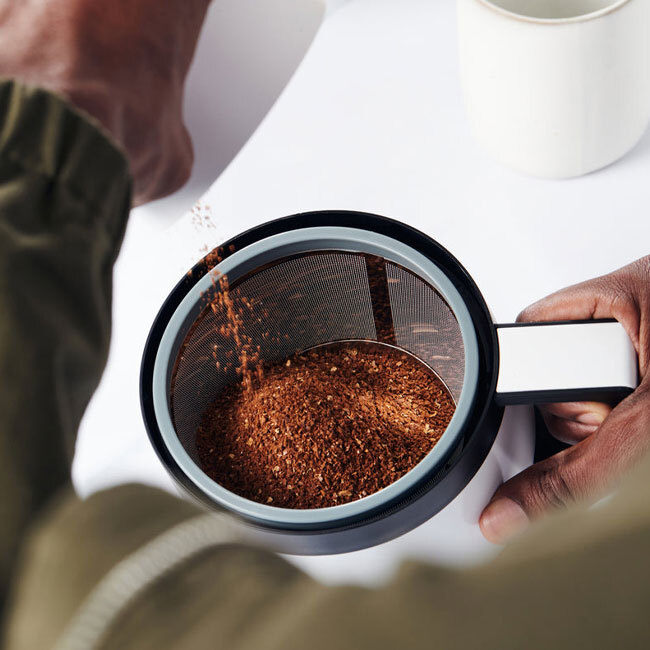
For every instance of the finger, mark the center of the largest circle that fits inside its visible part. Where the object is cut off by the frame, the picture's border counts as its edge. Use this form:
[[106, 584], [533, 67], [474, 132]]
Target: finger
[[580, 472], [579, 301], [572, 422], [567, 431], [604, 297]]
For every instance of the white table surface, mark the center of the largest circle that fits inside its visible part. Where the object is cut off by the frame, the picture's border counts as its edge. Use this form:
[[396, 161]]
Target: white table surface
[[372, 120]]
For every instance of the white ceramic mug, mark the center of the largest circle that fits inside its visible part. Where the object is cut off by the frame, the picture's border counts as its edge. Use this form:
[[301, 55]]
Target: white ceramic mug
[[556, 88]]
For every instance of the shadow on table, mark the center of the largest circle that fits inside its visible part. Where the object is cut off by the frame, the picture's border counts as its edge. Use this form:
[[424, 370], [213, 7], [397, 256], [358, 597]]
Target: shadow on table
[[545, 444], [247, 53]]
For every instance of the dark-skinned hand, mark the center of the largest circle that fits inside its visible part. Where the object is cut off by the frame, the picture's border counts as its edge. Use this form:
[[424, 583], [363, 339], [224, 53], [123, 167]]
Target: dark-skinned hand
[[605, 442]]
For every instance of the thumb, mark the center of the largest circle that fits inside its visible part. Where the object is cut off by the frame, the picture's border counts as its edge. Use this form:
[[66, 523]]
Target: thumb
[[583, 471]]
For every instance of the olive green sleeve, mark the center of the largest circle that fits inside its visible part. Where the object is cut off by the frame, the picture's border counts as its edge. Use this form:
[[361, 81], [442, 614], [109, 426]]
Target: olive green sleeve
[[580, 580], [64, 201]]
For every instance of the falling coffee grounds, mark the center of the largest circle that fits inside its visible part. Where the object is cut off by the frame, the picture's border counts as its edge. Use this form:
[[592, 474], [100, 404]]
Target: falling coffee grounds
[[325, 427]]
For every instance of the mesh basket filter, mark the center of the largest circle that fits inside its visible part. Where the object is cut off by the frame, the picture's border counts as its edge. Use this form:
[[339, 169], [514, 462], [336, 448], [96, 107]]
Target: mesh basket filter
[[425, 325], [297, 303]]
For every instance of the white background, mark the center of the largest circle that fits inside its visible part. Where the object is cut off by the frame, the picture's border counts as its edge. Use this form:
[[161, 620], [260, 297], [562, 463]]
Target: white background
[[372, 120]]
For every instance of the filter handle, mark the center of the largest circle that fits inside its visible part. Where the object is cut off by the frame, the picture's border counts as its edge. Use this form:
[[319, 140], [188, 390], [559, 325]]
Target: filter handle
[[564, 362]]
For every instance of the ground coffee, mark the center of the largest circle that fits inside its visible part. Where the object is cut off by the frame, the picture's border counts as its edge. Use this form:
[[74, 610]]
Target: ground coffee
[[326, 427]]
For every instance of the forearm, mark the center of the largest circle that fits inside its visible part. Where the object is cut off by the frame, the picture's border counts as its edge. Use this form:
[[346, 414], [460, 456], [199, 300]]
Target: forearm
[[64, 199]]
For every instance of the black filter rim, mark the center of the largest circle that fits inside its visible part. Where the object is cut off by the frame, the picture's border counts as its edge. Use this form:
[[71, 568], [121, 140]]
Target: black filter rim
[[479, 429]]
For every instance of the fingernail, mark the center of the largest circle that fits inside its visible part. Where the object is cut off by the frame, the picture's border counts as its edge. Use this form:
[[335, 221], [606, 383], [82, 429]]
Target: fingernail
[[502, 520], [592, 418]]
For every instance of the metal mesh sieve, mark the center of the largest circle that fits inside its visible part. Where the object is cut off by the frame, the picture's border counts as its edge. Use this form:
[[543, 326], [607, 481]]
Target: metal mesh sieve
[[309, 299]]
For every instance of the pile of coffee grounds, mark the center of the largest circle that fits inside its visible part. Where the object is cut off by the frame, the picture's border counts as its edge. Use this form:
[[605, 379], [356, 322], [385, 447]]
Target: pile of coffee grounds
[[326, 427]]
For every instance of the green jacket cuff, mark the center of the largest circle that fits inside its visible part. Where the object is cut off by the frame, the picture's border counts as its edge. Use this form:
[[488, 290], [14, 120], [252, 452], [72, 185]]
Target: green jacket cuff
[[42, 133]]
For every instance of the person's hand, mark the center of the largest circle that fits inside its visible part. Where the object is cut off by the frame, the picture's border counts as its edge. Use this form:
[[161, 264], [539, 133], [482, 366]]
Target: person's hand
[[123, 62], [607, 442]]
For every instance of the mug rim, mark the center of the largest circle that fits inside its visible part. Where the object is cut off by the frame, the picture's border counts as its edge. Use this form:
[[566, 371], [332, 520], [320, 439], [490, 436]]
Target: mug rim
[[582, 18]]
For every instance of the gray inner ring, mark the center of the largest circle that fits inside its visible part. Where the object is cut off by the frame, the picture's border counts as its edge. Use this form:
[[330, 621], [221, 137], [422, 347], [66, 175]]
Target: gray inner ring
[[266, 251]]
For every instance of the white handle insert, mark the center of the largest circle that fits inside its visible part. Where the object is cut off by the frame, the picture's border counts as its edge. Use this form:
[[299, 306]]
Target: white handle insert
[[566, 356]]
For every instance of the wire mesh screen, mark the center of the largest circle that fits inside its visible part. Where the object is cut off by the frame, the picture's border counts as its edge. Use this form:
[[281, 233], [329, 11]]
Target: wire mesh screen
[[425, 325], [301, 302]]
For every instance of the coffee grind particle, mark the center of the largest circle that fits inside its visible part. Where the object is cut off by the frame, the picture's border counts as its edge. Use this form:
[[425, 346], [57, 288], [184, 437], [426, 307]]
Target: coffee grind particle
[[328, 426]]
